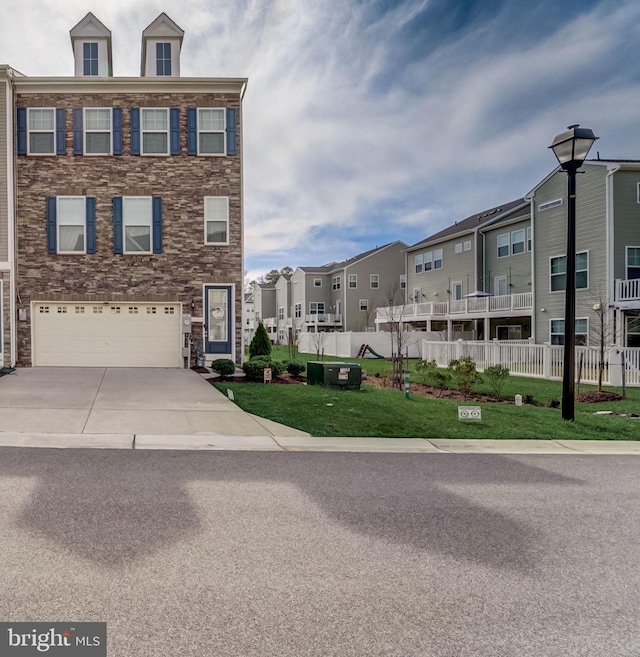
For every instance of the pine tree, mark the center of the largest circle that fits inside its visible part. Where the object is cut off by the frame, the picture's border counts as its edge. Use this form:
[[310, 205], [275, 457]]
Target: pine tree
[[260, 345]]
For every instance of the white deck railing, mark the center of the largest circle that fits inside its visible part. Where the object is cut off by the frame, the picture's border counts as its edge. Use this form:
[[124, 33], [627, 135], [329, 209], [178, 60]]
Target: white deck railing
[[469, 306], [323, 318], [628, 290]]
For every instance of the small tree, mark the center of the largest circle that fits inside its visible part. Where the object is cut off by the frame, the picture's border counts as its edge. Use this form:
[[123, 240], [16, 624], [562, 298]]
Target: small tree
[[260, 345], [602, 330], [497, 375], [465, 373], [317, 342]]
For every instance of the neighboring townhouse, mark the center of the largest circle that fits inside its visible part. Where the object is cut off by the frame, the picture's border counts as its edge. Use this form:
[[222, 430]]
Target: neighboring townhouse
[[128, 208], [248, 318], [471, 279], [7, 242], [264, 299], [344, 296], [607, 253], [283, 306]]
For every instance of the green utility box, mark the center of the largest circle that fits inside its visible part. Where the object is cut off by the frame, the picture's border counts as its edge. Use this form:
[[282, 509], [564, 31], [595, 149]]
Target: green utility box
[[347, 376]]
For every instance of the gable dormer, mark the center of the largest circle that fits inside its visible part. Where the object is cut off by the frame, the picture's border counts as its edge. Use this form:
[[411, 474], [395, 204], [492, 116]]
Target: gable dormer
[[91, 43], [161, 45]]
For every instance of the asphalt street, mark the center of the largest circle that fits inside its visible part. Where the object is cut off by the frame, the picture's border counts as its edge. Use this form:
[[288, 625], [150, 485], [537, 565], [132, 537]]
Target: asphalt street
[[243, 554]]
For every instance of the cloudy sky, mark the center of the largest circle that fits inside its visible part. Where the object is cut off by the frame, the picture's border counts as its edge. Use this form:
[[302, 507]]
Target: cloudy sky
[[368, 121]]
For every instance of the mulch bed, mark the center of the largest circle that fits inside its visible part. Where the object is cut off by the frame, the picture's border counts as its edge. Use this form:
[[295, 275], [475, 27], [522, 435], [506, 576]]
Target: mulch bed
[[592, 396]]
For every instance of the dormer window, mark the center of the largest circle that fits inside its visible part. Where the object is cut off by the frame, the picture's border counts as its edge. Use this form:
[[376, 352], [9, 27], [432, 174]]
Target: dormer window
[[90, 58], [163, 59]]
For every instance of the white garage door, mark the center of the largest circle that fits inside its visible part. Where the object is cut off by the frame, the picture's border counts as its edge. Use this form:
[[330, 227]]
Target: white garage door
[[106, 335]]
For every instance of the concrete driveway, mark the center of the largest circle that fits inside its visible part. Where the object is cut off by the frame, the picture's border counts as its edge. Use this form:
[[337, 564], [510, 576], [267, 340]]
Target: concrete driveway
[[70, 400]]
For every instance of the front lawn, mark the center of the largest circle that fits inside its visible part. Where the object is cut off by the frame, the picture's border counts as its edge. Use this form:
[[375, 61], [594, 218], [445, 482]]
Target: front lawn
[[386, 413]]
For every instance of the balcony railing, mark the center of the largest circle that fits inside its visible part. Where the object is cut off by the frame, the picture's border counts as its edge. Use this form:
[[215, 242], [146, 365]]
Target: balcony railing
[[628, 290], [442, 309], [270, 322], [323, 318]]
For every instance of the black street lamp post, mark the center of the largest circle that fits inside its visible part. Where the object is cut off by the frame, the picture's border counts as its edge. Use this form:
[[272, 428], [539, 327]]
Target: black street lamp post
[[571, 148]]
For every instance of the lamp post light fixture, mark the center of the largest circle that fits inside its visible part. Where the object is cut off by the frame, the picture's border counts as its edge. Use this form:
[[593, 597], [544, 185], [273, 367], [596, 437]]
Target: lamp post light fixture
[[571, 148]]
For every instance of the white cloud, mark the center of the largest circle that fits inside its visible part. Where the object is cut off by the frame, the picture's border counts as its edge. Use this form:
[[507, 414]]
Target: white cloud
[[341, 119]]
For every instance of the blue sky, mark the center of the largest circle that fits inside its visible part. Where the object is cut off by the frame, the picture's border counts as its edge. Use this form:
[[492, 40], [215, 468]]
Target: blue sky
[[368, 121]]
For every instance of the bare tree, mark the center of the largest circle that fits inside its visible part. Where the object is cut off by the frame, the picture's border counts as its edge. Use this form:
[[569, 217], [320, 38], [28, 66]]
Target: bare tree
[[396, 312], [292, 340], [602, 330], [317, 342]]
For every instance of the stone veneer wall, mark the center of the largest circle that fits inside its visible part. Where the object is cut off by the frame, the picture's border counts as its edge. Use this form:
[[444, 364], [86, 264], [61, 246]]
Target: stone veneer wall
[[182, 181], [6, 327]]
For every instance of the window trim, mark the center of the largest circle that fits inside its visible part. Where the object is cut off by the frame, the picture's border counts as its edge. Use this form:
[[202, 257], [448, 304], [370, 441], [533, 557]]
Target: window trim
[[336, 283], [578, 343], [317, 309], [586, 287], [164, 60], [418, 263], [403, 281], [143, 131], [465, 245], [502, 246], [89, 60], [353, 278], [529, 239], [437, 260], [365, 303], [124, 226], [317, 282], [52, 131], [523, 241], [206, 241], [428, 260], [61, 223], [199, 131], [374, 278], [297, 310], [85, 130], [627, 249], [280, 313], [496, 280], [457, 248]]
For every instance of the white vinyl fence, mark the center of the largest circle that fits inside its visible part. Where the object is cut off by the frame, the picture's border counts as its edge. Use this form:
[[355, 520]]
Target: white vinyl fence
[[539, 360], [347, 344]]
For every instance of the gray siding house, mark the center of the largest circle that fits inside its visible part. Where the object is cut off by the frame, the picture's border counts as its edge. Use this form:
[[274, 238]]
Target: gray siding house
[[472, 279], [264, 300], [607, 253], [344, 296]]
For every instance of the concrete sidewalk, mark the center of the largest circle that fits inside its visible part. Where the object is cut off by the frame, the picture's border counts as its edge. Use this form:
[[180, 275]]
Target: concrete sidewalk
[[303, 443]]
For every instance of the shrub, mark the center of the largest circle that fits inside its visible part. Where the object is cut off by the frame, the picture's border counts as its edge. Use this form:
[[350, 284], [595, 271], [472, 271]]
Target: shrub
[[260, 345], [431, 375], [554, 403], [463, 370], [254, 368], [224, 367], [497, 375], [295, 367]]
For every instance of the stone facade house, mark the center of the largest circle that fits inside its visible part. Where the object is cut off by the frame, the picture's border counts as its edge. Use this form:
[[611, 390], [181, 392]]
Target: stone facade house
[[129, 209]]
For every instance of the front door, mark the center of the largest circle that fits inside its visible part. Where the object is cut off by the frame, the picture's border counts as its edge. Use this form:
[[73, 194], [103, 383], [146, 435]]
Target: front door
[[218, 313]]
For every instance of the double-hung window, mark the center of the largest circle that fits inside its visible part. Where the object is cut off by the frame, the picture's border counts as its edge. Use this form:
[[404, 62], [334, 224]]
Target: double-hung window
[[155, 131], [428, 261], [90, 58], [418, 263], [353, 281], [518, 242], [403, 282], [336, 282], [529, 238], [374, 281], [281, 313], [297, 310], [556, 331], [163, 59], [633, 262], [316, 307], [558, 272], [71, 224], [503, 245], [42, 131], [216, 220], [211, 131], [437, 259], [97, 131], [317, 282], [364, 304], [137, 222]]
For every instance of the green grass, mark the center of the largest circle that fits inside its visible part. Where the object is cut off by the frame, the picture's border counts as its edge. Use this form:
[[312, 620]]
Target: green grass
[[386, 413]]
